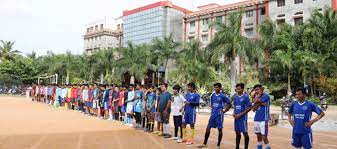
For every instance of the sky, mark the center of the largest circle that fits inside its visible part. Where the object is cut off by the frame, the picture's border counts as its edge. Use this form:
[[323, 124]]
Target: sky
[[58, 25]]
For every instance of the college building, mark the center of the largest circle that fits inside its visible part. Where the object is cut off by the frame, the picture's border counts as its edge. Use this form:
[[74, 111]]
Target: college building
[[196, 24], [158, 20], [101, 34]]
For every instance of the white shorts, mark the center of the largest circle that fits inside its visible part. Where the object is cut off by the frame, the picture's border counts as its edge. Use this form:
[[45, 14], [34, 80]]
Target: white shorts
[[261, 127], [95, 104], [129, 108]]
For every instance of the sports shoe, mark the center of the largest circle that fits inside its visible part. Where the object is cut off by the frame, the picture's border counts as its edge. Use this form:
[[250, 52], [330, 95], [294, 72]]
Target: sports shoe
[[155, 132], [181, 141], [167, 136], [217, 147], [189, 142], [161, 134], [175, 138], [202, 146]]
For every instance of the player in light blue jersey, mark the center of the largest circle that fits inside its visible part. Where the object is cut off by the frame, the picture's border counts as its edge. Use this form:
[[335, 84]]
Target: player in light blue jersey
[[242, 106], [299, 116], [261, 107], [219, 101]]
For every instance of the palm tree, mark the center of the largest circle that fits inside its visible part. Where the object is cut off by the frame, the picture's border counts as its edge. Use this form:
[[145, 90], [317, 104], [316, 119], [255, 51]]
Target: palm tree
[[135, 60], [165, 49], [229, 42], [193, 65], [283, 60], [106, 62], [7, 52]]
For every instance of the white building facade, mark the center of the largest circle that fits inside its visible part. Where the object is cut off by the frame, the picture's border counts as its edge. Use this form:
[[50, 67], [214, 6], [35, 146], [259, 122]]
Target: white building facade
[[104, 33]]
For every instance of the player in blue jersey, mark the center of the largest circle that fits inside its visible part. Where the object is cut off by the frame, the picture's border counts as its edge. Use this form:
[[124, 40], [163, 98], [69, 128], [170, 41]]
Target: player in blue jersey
[[219, 101], [261, 107], [242, 106], [191, 104], [299, 116]]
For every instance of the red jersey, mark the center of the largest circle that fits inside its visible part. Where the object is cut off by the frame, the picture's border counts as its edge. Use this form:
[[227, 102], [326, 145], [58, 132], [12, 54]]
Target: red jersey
[[74, 93], [121, 98]]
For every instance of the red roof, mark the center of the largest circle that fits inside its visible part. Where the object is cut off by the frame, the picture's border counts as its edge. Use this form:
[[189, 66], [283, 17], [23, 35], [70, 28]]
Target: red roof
[[154, 5], [225, 7], [208, 5]]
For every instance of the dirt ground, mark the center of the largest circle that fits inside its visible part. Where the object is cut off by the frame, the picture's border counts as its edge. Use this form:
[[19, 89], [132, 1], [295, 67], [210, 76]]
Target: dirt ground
[[25, 124]]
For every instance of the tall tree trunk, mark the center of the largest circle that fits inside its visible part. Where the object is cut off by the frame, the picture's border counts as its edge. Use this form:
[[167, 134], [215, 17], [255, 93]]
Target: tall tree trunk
[[233, 74], [102, 78], [289, 85], [166, 71], [132, 80], [67, 78]]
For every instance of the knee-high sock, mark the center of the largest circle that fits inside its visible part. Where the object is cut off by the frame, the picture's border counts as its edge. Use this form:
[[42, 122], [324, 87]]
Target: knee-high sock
[[167, 128], [110, 114], [184, 133], [192, 133]]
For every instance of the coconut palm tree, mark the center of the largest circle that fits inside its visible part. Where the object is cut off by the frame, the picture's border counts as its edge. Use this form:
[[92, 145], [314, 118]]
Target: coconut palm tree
[[193, 65], [6, 50], [165, 49], [229, 42], [106, 61], [135, 60]]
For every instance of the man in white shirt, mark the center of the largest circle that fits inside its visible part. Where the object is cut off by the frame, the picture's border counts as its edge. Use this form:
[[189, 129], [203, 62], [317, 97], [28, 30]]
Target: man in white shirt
[[178, 101], [129, 107]]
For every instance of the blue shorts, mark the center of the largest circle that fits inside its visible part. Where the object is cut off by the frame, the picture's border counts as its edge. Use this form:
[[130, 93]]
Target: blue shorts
[[123, 110], [240, 126], [106, 106], [189, 118], [302, 140], [62, 99], [89, 104], [215, 121]]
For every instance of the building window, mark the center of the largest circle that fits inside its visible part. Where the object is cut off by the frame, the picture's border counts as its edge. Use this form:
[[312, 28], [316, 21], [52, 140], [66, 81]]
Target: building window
[[88, 30], [91, 28], [263, 11], [298, 21], [96, 27], [204, 21], [192, 24], [101, 26], [204, 38], [218, 19], [281, 3], [298, 1], [280, 21], [249, 13], [249, 32], [190, 38]]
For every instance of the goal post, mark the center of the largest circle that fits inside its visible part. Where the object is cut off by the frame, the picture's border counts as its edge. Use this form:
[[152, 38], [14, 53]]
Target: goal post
[[51, 79]]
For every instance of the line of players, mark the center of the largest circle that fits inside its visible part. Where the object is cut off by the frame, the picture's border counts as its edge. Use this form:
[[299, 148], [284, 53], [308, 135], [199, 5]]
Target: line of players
[[159, 102]]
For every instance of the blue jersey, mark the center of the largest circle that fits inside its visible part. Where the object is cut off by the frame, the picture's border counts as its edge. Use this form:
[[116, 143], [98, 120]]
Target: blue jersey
[[138, 101], [302, 113], [262, 112], [218, 102], [151, 98], [241, 103], [193, 98]]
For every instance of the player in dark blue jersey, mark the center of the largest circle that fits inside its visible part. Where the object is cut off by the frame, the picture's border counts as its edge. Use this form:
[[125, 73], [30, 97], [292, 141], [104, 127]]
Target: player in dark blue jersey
[[219, 101], [261, 107], [299, 116], [242, 106], [191, 104]]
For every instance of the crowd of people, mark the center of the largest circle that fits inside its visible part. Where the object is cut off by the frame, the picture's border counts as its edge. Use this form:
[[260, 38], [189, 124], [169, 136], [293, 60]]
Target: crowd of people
[[143, 107]]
